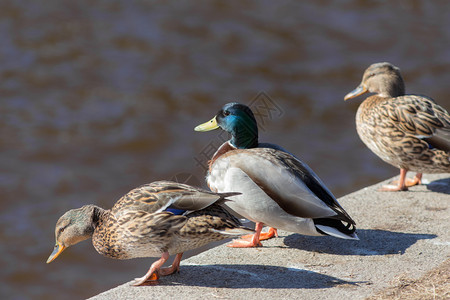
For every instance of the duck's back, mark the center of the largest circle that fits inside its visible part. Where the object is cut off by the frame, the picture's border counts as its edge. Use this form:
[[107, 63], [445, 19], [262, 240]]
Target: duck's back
[[164, 216], [202, 227]]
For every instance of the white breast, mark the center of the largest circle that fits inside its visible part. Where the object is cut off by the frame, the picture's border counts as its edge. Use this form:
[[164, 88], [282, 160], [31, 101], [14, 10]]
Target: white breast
[[254, 204]]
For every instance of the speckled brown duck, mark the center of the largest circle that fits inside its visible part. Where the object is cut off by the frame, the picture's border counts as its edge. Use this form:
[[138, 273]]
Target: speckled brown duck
[[158, 219], [410, 132]]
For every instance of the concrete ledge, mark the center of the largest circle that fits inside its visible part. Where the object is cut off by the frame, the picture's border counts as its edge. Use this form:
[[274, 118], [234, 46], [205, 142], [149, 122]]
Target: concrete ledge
[[401, 233]]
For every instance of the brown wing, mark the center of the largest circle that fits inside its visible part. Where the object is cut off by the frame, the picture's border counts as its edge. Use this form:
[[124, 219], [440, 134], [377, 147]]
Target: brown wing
[[159, 195], [421, 117]]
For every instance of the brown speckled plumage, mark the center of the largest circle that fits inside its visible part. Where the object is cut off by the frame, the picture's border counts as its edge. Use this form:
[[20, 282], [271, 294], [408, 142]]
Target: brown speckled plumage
[[138, 225], [410, 132]]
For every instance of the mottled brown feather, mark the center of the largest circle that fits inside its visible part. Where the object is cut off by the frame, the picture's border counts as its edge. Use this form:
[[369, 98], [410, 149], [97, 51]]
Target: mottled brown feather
[[410, 132], [138, 227]]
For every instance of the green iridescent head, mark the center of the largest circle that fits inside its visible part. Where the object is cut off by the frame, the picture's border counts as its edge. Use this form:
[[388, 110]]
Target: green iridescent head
[[238, 120]]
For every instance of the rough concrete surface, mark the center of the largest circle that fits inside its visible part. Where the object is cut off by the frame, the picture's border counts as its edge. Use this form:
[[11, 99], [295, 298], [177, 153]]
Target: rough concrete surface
[[400, 233]]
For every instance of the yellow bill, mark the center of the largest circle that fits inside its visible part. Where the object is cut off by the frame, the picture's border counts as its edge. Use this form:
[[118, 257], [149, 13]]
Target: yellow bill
[[56, 252], [356, 92], [210, 125]]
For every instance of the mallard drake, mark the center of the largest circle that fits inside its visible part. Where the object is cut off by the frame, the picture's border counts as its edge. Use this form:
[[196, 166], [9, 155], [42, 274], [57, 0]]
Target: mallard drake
[[157, 219], [410, 132], [277, 189]]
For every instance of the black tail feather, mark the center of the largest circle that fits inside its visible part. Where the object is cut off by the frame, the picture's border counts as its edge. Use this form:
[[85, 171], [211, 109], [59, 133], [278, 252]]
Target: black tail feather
[[344, 227]]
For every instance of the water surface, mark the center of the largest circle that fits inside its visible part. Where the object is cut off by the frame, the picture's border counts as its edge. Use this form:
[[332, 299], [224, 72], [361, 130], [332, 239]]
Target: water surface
[[98, 97]]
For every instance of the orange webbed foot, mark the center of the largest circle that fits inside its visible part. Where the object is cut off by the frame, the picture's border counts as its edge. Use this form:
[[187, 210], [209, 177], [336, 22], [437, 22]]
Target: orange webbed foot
[[152, 276], [253, 240], [415, 181], [409, 182], [174, 268], [402, 183], [392, 188], [147, 280], [263, 235], [245, 243], [269, 234], [396, 185]]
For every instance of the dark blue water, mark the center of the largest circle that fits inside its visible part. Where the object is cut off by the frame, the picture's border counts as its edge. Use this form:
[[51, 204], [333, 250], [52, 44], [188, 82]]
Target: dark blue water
[[97, 97]]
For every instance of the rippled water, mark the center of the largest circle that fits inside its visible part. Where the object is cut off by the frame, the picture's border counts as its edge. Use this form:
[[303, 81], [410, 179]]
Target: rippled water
[[97, 97]]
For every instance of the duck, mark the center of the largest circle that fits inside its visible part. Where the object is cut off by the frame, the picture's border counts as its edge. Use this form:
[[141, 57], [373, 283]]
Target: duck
[[276, 188], [158, 219], [410, 132]]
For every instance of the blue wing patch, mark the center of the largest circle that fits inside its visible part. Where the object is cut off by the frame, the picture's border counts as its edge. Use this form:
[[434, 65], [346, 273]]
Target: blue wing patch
[[175, 211]]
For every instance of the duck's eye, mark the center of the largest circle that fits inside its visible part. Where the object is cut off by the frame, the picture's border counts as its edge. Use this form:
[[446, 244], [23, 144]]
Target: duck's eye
[[61, 230], [226, 113]]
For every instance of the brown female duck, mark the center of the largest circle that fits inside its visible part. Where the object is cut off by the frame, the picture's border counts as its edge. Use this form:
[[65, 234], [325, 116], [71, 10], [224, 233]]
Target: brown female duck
[[158, 219], [410, 132]]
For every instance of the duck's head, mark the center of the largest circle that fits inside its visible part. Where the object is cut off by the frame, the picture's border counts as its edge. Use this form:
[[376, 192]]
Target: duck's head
[[383, 79], [239, 121], [74, 226]]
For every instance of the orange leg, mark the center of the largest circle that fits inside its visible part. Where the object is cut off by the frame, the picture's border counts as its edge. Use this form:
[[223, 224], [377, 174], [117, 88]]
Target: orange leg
[[402, 183], [416, 180], [175, 267], [263, 235], [411, 182], [269, 234], [397, 185], [253, 240], [156, 271], [153, 272]]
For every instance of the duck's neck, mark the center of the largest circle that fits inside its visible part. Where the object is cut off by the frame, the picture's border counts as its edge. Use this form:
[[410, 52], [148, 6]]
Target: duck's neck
[[104, 237], [97, 215], [245, 136], [394, 88]]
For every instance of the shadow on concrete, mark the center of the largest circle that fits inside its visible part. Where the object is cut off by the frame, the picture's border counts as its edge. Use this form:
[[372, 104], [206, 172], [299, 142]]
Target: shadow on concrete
[[251, 276], [372, 242], [440, 186]]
